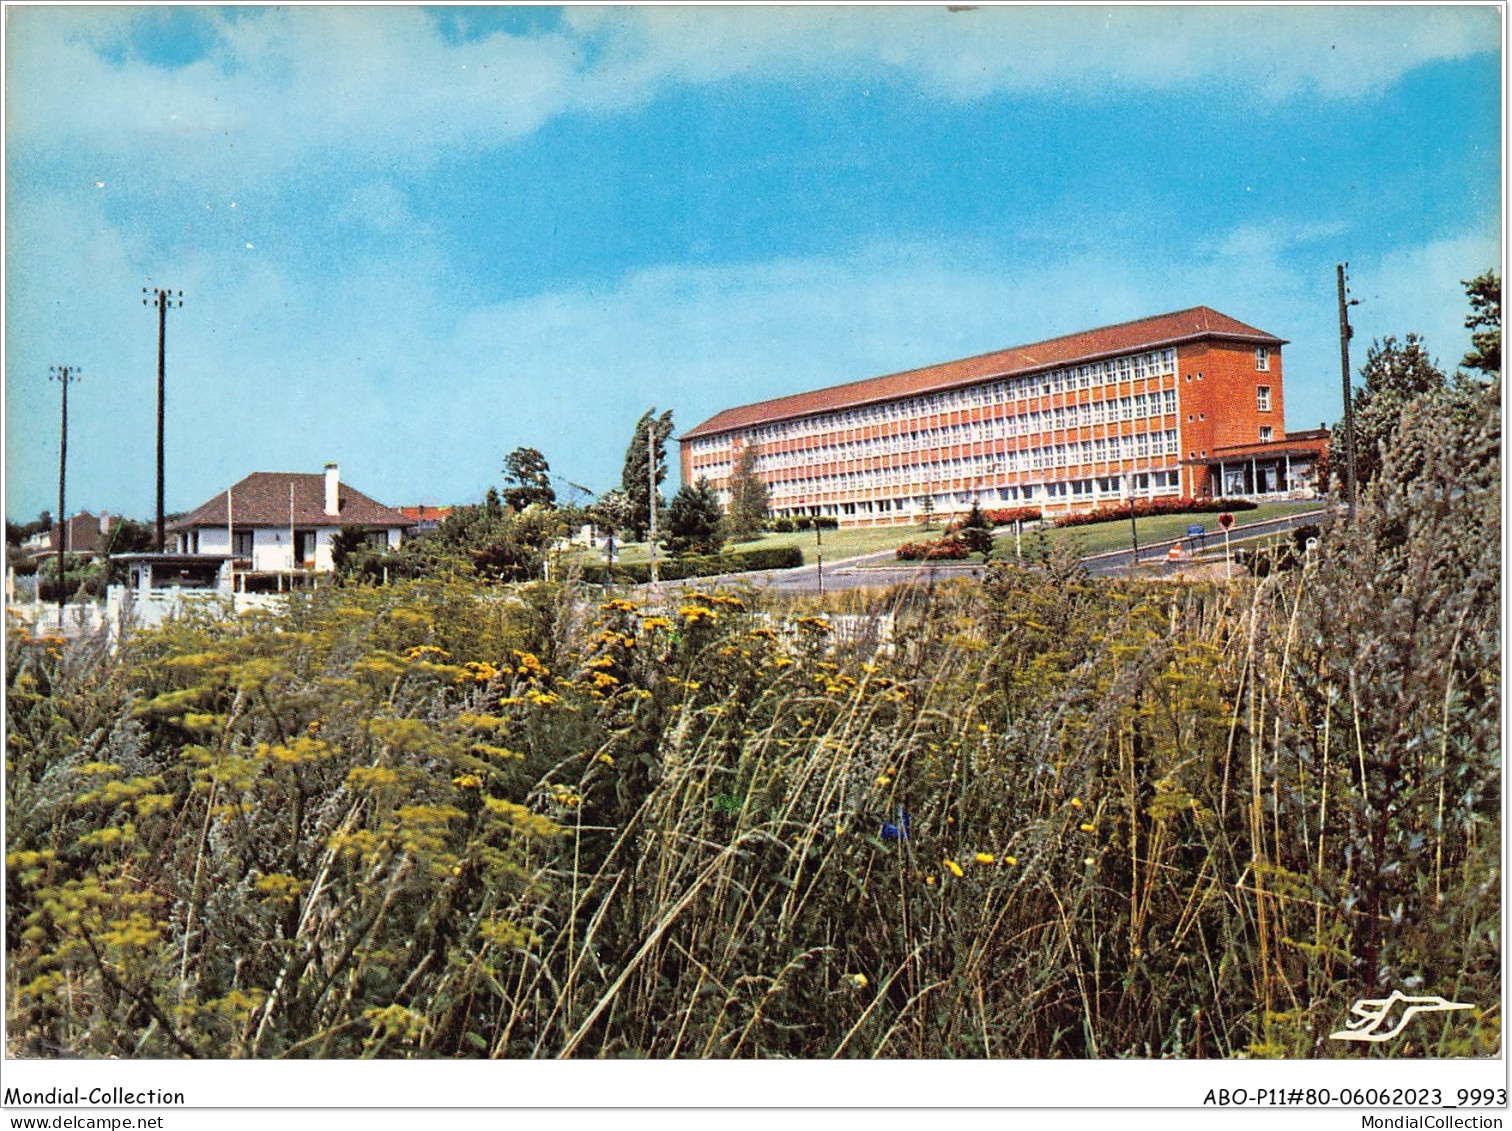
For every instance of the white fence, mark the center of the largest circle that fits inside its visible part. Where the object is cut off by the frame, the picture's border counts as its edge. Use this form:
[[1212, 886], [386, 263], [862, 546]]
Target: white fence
[[46, 620], [151, 607]]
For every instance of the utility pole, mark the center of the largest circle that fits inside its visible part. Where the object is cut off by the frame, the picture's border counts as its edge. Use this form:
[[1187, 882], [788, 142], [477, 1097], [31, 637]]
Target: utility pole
[[651, 494], [1346, 331], [1133, 527], [162, 299], [63, 374]]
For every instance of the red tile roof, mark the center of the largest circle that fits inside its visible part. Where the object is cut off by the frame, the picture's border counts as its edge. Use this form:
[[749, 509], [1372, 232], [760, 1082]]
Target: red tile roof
[[424, 512], [262, 499], [1145, 333]]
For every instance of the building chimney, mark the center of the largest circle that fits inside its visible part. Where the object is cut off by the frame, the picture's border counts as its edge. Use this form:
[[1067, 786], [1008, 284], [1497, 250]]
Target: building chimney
[[332, 490]]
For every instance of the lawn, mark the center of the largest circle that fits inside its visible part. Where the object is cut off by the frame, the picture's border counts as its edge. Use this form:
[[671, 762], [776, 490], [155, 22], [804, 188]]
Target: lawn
[[856, 541], [1105, 536], [838, 544]]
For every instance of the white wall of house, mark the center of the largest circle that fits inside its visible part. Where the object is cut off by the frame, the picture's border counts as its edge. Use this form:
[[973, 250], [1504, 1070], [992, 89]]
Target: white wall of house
[[272, 548]]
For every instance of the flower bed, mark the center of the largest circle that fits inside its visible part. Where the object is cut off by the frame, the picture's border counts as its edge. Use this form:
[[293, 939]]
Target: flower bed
[[949, 548], [1146, 507]]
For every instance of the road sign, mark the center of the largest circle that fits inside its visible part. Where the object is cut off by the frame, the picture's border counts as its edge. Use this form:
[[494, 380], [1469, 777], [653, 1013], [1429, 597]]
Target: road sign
[[1225, 520], [1196, 530]]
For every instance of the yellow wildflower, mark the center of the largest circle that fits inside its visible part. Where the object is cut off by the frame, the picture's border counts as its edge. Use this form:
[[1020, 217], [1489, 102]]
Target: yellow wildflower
[[955, 869], [1076, 802], [467, 781], [884, 780], [929, 880], [529, 665], [1086, 827], [651, 623], [1010, 859], [860, 981], [605, 758], [983, 858]]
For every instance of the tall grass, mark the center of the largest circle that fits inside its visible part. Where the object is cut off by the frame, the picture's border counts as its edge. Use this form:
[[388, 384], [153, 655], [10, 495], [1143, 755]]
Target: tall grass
[[1052, 817]]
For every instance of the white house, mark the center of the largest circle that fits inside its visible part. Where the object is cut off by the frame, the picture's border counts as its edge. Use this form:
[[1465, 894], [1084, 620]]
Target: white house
[[275, 522]]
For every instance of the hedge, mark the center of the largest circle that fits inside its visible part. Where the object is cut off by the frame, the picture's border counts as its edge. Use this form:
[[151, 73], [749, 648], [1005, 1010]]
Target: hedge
[[1002, 516], [701, 565], [1146, 507], [802, 522]]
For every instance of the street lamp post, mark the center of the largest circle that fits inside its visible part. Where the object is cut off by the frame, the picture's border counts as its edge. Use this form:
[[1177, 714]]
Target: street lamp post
[[819, 553], [818, 545]]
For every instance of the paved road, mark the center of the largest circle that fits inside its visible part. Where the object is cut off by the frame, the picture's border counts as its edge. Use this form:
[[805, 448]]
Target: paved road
[[1154, 555], [872, 570]]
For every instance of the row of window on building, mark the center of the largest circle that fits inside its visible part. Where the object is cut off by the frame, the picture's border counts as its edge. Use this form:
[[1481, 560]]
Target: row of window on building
[[1139, 408], [924, 498], [1144, 445], [1007, 390]]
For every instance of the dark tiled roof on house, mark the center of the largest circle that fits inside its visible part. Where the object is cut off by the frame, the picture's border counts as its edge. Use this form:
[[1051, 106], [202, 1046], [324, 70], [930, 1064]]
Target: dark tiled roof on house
[[1145, 333], [262, 499]]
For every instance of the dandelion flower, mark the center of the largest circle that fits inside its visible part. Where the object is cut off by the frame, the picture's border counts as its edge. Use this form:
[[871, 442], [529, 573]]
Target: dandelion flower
[[1010, 859], [929, 880], [955, 869], [983, 858], [1076, 802], [860, 981], [884, 780], [1086, 827]]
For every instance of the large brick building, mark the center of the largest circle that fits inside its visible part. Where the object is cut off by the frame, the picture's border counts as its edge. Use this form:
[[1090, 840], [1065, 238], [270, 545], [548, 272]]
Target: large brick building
[[1183, 404]]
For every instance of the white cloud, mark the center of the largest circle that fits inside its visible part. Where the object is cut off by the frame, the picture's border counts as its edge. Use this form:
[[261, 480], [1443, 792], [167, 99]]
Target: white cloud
[[1276, 51], [280, 83]]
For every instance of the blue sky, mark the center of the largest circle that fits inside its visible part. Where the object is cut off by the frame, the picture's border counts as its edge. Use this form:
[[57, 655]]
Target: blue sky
[[410, 240]]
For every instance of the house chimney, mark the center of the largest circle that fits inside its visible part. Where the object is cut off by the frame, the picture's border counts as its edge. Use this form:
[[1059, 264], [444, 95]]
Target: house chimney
[[332, 489]]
